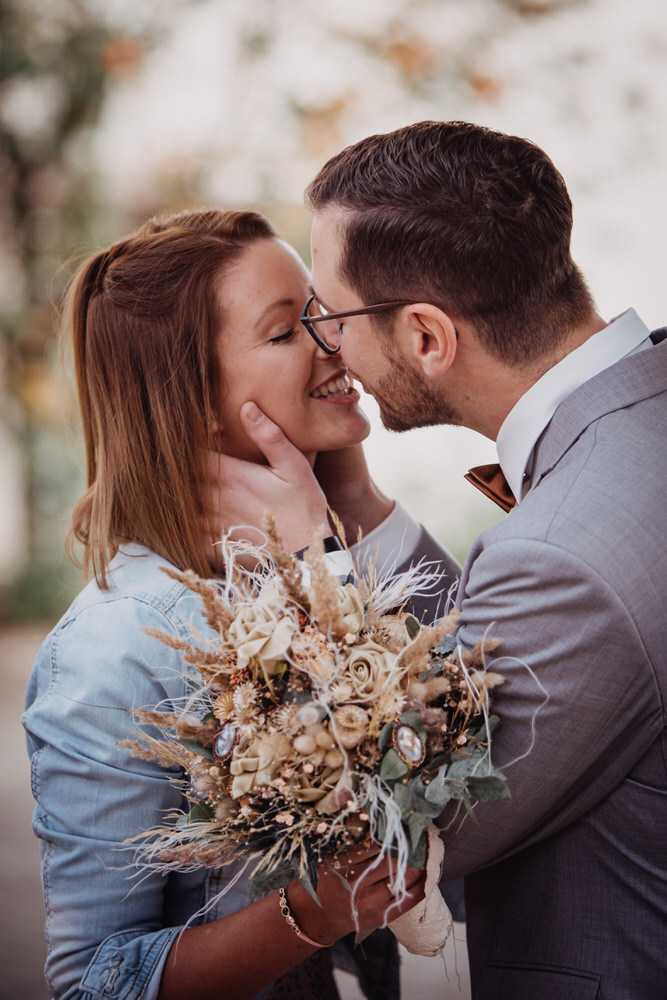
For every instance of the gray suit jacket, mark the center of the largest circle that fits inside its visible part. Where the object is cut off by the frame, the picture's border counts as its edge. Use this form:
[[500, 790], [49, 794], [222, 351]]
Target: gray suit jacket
[[566, 888]]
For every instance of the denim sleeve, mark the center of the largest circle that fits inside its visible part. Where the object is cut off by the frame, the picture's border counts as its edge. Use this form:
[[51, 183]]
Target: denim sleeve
[[108, 931]]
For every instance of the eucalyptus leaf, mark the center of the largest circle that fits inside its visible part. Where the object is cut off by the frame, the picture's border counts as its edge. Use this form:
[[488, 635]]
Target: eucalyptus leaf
[[269, 882], [468, 804], [437, 670], [201, 812], [312, 869], [421, 803], [439, 791], [417, 856], [340, 876], [385, 735], [195, 748], [304, 879], [483, 734], [403, 797], [488, 788], [433, 766], [392, 767], [416, 824], [412, 626], [446, 645], [462, 767], [413, 717]]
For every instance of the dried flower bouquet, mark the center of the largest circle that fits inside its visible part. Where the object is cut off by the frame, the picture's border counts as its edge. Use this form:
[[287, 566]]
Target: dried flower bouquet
[[318, 717]]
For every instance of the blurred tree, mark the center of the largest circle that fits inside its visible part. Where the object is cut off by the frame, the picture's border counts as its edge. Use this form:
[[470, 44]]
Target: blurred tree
[[58, 62]]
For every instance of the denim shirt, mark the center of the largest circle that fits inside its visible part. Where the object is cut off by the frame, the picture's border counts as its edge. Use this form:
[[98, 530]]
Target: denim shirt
[[109, 928]]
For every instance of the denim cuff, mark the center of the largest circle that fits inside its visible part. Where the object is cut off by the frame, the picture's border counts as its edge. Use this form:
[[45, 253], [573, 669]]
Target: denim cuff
[[128, 965]]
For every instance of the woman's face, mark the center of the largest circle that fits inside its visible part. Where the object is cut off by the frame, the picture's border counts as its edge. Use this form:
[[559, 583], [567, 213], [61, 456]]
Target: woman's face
[[267, 356]]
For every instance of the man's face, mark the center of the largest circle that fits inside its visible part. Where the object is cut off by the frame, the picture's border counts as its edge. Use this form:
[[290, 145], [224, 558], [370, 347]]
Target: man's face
[[405, 397]]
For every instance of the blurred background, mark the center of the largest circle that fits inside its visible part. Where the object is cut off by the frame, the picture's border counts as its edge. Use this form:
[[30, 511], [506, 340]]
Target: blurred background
[[110, 111]]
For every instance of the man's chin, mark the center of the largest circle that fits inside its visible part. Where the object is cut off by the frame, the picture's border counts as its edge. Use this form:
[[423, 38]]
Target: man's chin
[[399, 422], [394, 423]]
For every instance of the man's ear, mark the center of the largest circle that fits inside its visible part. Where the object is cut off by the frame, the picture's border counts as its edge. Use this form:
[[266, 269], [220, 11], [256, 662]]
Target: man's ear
[[428, 338]]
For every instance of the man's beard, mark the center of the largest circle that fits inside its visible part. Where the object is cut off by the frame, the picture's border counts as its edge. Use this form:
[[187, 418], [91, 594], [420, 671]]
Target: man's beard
[[406, 399]]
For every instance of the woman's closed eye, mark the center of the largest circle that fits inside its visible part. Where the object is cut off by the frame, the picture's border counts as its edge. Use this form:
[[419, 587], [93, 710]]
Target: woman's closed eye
[[284, 337]]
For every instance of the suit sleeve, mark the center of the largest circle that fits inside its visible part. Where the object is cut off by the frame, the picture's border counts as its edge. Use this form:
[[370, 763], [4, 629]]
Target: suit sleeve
[[578, 683]]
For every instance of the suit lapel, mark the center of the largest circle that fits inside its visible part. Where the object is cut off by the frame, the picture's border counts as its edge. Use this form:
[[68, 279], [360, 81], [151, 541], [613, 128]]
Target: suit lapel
[[637, 377]]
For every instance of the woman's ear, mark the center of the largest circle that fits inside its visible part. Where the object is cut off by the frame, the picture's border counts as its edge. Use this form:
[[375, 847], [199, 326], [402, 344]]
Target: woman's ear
[[428, 338]]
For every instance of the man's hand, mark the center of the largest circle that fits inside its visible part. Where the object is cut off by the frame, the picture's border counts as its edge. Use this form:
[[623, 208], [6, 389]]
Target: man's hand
[[239, 493], [350, 491]]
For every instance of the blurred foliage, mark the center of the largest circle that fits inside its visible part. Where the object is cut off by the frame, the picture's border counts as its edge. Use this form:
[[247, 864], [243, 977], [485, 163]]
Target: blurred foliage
[[59, 63]]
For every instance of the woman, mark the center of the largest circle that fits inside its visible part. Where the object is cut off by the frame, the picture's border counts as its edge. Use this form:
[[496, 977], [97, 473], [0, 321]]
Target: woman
[[174, 328]]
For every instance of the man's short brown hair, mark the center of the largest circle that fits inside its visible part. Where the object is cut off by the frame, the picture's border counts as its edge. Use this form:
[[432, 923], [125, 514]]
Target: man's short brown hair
[[472, 220]]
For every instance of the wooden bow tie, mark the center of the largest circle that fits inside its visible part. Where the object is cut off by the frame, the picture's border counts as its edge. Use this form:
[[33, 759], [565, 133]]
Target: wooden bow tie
[[492, 483]]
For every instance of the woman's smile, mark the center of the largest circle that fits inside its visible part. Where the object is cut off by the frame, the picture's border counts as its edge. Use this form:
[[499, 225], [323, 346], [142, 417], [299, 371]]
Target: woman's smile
[[337, 387]]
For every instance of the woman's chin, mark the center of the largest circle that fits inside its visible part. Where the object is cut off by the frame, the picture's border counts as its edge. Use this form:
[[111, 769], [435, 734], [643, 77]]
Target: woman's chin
[[335, 445], [343, 434]]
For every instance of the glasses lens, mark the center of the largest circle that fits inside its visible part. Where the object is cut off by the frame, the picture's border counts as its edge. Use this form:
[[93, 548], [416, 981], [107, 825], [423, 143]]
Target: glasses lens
[[327, 333]]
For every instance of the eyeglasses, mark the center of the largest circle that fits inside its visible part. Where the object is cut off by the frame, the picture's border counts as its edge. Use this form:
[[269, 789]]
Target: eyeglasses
[[331, 336]]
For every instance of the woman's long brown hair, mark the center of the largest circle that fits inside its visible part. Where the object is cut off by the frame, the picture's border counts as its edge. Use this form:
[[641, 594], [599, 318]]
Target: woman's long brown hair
[[144, 317]]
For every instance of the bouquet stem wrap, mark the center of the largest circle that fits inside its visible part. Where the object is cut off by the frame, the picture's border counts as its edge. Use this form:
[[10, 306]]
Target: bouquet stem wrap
[[424, 929]]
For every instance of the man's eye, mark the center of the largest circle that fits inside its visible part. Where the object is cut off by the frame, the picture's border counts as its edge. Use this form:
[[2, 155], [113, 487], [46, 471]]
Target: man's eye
[[283, 338]]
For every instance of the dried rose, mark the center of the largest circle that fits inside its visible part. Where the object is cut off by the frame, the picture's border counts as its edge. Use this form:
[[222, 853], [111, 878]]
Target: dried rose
[[351, 609], [256, 763], [368, 667], [261, 633]]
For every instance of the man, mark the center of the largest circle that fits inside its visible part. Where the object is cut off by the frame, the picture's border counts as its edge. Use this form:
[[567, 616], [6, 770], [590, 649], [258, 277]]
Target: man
[[457, 238]]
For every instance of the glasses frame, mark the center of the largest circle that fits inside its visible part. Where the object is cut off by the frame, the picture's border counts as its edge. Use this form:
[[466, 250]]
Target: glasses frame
[[310, 321]]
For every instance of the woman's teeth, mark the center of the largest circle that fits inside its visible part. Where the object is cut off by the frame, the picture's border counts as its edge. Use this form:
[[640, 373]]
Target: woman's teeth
[[334, 387]]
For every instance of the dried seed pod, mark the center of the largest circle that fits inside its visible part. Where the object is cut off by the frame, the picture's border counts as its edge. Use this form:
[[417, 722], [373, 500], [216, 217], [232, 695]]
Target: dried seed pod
[[350, 724], [305, 744]]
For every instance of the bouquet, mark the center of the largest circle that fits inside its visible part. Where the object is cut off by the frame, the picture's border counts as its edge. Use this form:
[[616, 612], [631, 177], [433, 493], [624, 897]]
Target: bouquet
[[318, 717]]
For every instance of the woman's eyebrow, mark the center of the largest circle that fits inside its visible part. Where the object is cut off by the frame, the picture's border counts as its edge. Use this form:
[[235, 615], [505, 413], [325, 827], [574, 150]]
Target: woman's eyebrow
[[279, 304]]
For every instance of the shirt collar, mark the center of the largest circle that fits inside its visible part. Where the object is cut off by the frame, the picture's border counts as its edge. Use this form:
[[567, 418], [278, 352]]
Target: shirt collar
[[532, 412]]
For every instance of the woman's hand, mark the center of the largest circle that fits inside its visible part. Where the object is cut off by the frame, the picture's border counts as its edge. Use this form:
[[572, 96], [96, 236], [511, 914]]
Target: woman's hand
[[239, 493], [242, 953], [368, 903]]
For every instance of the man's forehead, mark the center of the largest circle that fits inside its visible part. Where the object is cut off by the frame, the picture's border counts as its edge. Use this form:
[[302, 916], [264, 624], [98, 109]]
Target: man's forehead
[[326, 245], [328, 226]]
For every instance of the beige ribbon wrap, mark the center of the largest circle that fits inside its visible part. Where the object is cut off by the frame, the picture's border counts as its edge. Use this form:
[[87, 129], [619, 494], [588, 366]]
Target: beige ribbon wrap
[[424, 929]]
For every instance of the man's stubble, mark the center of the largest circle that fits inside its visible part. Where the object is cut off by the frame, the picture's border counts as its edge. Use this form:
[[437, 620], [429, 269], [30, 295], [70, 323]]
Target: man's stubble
[[406, 399]]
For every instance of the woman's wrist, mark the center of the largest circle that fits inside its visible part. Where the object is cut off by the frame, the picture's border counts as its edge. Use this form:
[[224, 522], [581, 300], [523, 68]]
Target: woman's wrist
[[318, 923], [286, 912]]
